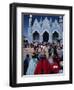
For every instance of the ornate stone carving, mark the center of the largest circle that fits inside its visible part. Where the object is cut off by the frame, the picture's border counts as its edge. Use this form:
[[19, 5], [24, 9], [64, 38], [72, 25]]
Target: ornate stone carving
[[45, 25]]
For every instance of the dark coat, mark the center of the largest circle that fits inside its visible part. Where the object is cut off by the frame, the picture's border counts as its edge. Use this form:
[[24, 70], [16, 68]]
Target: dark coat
[[26, 63]]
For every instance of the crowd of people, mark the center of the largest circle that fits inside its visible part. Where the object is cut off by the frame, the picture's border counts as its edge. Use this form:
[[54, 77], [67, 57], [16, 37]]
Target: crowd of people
[[43, 58]]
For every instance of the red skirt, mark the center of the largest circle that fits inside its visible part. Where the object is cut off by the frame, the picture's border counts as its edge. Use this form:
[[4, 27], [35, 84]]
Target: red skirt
[[44, 67]]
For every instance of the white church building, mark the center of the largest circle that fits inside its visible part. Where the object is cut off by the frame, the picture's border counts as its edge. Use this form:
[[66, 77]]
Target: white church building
[[45, 30]]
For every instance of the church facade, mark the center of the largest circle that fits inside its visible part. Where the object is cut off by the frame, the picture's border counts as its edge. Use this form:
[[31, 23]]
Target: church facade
[[45, 30]]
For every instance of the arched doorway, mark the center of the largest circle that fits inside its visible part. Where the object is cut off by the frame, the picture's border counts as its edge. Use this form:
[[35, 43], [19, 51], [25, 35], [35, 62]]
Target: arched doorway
[[36, 36], [55, 36], [45, 37]]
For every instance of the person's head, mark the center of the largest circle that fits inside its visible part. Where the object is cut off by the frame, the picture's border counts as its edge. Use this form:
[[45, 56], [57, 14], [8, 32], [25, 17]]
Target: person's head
[[27, 56], [34, 56], [50, 54], [50, 45]]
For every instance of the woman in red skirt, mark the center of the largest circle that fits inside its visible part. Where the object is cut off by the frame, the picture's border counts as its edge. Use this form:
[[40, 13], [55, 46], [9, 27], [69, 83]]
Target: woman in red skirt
[[43, 66]]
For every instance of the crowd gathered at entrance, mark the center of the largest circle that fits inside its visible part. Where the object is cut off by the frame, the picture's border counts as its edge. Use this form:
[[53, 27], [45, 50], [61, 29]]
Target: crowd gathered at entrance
[[42, 58]]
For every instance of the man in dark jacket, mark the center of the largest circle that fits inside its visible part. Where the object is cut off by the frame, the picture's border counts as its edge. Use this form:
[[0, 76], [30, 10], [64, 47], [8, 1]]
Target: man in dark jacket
[[26, 63]]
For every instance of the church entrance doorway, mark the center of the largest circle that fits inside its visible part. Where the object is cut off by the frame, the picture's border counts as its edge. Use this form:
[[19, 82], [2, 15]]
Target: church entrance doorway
[[45, 37], [55, 36], [36, 36]]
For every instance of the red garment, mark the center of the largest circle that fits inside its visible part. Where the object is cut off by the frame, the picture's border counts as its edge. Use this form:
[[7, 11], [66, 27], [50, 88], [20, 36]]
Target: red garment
[[43, 67], [54, 68], [56, 60]]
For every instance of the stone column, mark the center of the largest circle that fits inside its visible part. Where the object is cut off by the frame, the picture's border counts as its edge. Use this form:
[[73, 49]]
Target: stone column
[[50, 37], [30, 30], [41, 38]]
